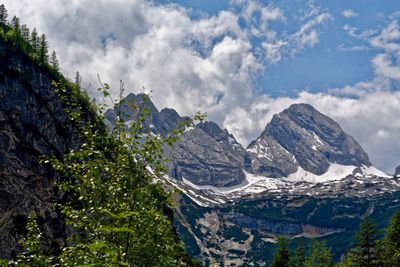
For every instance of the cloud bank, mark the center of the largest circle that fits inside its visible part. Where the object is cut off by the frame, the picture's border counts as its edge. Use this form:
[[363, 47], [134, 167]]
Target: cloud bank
[[206, 63]]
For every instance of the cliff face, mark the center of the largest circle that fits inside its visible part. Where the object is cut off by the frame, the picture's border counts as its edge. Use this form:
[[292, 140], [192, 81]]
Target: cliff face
[[32, 123], [301, 136], [205, 154]]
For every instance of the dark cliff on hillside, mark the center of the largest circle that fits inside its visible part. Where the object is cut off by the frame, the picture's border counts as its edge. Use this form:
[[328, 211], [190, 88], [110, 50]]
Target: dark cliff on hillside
[[302, 136], [32, 123]]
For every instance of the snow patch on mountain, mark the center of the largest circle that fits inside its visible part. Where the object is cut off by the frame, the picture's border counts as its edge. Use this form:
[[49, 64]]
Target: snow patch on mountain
[[335, 172]]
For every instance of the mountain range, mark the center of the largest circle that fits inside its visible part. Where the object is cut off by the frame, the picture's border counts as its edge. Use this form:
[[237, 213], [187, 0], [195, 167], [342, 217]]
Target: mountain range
[[303, 177]]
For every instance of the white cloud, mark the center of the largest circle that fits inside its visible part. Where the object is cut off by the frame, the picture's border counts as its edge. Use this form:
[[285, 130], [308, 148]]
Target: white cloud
[[348, 13], [308, 35]]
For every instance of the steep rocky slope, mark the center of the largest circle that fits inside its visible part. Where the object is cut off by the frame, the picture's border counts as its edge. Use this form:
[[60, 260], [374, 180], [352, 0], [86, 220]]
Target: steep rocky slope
[[302, 137], [32, 124], [245, 234], [397, 172], [205, 154]]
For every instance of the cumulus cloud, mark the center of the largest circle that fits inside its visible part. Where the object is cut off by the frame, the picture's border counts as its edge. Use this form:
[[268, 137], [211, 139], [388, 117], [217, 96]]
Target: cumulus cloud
[[348, 13], [209, 63], [387, 63]]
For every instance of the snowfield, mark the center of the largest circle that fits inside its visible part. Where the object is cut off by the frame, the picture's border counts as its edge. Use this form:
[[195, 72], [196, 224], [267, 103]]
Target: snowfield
[[339, 179]]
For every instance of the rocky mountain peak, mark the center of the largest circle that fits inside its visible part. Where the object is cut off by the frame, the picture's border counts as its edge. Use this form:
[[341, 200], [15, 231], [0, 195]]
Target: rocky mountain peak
[[397, 172], [301, 136], [205, 154]]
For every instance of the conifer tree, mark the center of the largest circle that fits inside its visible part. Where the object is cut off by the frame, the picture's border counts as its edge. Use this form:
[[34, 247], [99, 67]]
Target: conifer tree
[[320, 255], [15, 24], [365, 246], [34, 41], [3, 14], [54, 61], [43, 50], [393, 231], [281, 256], [25, 33], [389, 249], [78, 79], [298, 259]]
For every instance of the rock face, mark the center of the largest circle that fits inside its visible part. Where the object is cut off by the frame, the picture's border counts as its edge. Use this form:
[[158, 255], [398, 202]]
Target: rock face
[[300, 136], [205, 155], [158, 122], [32, 123], [397, 172]]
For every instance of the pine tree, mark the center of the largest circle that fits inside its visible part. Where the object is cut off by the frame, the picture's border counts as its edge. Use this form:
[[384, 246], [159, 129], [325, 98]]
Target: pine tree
[[54, 61], [3, 14], [34, 41], [25, 33], [15, 24], [43, 50], [320, 255], [78, 79], [281, 256], [365, 245], [389, 247], [393, 231], [298, 259]]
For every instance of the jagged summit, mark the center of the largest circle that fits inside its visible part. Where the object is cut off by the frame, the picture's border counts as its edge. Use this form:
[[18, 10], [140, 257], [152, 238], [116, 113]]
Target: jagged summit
[[205, 155], [397, 172], [300, 143], [301, 136]]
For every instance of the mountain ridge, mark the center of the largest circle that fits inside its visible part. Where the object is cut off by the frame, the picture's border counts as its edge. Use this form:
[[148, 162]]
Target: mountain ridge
[[299, 143]]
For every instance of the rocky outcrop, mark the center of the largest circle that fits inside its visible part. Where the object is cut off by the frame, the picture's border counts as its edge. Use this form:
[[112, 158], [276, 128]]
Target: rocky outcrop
[[302, 136], [130, 107], [397, 172], [280, 227], [205, 154], [32, 123]]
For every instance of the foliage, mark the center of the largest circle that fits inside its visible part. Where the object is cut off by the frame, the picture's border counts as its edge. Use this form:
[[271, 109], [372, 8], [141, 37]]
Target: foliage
[[54, 61], [33, 45], [281, 257], [298, 259], [32, 256], [365, 244], [389, 246], [320, 255], [114, 207]]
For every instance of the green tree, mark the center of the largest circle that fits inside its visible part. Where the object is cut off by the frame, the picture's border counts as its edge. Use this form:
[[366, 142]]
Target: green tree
[[3, 14], [25, 34], [15, 24], [281, 256], [32, 256], [365, 244], [34, 40], [78, 78], [298, 259], [348, 261], [43, 50], [320, 255], [54, 61], [389, 247], [115, 207]]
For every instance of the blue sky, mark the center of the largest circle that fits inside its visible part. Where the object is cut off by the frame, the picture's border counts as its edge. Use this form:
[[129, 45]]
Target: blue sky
[[239, 61], [329, 64]]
